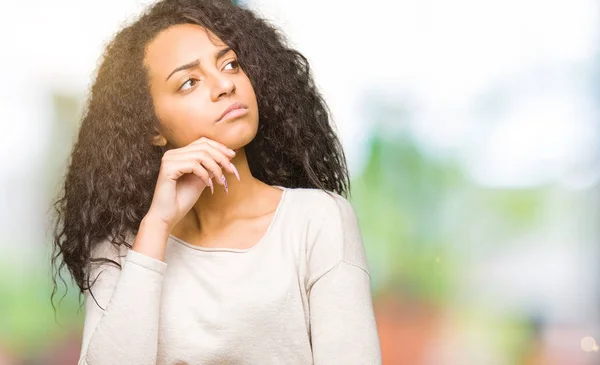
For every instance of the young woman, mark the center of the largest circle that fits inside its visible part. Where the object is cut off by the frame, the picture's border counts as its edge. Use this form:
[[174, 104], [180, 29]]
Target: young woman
[[203, 215]]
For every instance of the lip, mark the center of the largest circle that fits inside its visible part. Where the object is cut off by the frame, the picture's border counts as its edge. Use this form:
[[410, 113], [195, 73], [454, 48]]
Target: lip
[[233, 111]]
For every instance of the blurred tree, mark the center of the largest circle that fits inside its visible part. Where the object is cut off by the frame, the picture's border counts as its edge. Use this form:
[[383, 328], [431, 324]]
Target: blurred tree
[[401, 199], [28, 320], [424, 223], [420, 214]]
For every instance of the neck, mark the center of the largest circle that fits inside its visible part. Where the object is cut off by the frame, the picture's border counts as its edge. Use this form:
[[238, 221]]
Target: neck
[[214, 210]]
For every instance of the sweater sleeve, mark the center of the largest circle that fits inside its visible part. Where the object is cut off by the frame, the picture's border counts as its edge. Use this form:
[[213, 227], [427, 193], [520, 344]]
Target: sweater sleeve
[[122, 327], [342, 321]]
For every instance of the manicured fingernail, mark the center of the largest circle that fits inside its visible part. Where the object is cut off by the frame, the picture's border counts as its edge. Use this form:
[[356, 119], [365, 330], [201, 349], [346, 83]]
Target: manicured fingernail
[[212, 186], [224, 179], [231, 152], [235, 171]]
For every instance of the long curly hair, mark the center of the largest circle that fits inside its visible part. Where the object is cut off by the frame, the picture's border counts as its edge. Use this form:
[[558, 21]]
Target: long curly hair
[[114, 166]]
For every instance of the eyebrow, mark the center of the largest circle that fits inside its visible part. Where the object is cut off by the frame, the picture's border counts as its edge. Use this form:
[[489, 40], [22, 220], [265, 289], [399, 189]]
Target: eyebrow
[[196, 63]]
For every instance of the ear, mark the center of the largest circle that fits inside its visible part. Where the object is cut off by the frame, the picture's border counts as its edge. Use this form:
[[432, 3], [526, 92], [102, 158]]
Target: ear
[[159, 140]]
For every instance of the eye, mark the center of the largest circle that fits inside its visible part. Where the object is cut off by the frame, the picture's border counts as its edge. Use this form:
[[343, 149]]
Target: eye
[[190, 82], [234, 65]]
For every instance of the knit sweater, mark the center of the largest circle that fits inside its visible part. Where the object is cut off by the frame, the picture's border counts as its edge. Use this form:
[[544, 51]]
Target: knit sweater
[[299, 296]]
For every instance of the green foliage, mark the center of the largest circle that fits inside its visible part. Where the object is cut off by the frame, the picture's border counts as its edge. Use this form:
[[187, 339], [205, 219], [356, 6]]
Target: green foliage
[[421, 217], [401, 199], [28, 323]]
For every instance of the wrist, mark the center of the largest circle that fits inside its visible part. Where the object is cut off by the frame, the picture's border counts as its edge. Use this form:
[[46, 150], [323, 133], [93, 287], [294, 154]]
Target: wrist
[[151, 239], [155, 224]]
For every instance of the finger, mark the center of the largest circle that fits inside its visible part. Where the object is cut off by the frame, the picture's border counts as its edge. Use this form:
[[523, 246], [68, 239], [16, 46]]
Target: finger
[[175, 169], [220, 158], [224, 149], [212, 160], [201, 172], [216, 154], [206, 160]]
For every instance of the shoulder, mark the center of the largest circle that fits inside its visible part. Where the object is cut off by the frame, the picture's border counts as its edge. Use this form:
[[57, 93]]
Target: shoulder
[[109, 249], [317, 204], [332, 230]]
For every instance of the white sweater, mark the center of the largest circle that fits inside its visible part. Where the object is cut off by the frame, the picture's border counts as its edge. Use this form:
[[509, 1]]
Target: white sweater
[[301, 296]]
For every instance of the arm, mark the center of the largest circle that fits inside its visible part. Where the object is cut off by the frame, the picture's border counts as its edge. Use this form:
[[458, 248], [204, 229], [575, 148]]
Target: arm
[[343, 327], [125, 329]]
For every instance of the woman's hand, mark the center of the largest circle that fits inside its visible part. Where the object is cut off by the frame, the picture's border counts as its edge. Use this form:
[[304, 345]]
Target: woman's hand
[[184, 173]]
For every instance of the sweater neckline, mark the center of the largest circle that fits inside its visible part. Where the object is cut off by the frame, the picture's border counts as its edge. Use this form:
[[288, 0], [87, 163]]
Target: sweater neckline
[[240, 250]]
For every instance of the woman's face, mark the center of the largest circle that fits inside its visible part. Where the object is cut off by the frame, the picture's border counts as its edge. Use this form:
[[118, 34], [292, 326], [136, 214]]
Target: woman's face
[[193, 82]]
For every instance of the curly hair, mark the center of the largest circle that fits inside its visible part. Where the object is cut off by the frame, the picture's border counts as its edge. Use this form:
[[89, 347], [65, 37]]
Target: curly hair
[[113, 167]]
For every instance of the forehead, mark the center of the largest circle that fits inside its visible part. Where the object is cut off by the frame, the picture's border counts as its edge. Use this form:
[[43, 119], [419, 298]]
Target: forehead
[[178, 45]]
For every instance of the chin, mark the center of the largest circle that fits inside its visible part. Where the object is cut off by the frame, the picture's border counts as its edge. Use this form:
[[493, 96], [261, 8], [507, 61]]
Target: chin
[[238, 134]]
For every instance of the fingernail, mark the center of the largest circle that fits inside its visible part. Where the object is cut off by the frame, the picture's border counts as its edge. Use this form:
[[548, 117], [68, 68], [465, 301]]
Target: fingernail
[[224, 179], [231, 152], [212, 187], [235, 171]]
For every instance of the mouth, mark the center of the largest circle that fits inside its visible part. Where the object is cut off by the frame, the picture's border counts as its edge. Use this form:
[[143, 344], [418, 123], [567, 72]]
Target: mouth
[[233, 111]]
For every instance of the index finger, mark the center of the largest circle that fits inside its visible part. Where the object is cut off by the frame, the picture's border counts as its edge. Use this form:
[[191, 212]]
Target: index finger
[[215, 144]]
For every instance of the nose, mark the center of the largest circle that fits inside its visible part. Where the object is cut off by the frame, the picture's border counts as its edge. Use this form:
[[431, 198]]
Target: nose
[[222, 85]]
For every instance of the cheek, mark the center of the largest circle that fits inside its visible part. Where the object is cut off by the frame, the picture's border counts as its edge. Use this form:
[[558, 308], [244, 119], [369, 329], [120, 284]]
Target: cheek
[[184, 119]]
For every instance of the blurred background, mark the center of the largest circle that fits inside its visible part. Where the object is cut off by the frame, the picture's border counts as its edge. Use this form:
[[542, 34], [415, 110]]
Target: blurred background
[[472, 132]]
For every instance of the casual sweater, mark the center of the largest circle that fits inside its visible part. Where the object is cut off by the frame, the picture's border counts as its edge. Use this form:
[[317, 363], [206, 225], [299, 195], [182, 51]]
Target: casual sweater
[[301, 295]]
